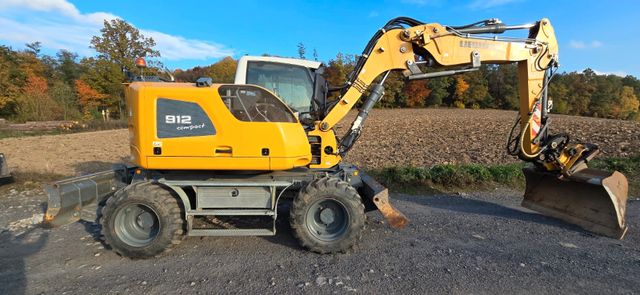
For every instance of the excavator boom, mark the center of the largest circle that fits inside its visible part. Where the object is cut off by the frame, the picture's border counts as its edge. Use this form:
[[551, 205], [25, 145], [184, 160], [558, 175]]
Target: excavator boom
[[559, 183]]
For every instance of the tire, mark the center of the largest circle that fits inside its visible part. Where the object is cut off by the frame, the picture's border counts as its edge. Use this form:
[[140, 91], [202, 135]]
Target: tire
[[327, 216], [143, 220]]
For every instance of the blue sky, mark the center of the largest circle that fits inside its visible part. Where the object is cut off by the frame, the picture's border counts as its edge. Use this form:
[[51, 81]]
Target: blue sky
[[601, 35]]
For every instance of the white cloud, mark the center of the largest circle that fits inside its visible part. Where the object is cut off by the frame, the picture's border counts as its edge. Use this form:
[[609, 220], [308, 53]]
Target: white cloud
[[176, 47], [58, 24], [577, 44], [484, 4], [615, 73]]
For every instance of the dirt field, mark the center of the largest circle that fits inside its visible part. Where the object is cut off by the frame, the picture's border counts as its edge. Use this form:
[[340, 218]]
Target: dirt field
[[421, 137]]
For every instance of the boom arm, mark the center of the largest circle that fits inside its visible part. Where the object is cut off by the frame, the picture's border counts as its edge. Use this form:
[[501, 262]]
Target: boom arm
[[458, 50]]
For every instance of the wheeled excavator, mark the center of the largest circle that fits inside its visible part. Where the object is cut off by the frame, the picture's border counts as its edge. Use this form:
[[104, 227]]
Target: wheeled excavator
[[204, 152]]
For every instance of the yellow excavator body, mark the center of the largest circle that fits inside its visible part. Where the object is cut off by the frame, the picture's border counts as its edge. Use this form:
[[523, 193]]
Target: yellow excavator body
[[182, 126]]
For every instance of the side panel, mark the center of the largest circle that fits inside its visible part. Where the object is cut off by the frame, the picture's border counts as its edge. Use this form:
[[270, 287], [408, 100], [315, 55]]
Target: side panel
[[133, 93]]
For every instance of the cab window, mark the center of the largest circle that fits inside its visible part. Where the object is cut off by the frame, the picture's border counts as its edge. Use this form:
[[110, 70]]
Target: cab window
[[253, 104], [291, 83]]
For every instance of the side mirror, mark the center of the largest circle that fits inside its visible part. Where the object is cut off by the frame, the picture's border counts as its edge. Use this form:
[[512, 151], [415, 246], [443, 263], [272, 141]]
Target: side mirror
[[320, 91]]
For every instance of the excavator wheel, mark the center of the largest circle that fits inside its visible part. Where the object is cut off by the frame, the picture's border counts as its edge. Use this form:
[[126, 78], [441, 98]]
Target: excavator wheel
[[327, 216], [142, 220]]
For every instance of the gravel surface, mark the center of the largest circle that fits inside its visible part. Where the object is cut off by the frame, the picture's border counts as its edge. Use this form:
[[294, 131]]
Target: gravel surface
[[420, 137], [480, 243]]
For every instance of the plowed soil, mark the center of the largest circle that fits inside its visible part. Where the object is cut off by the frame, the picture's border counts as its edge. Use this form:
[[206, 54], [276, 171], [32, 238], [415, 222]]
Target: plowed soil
[[419, 137]]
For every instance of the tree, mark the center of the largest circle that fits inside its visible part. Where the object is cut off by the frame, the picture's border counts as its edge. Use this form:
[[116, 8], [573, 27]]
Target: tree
[[416, 93], [460, 86], [315, 54], [605, 96], [34, 48], [122, 43], [502, 83], [67, 66], [12, 78], [105, 77], [301, 50], [477, 92], [89, 98], [393, 94], [439, 93], [337, 71], [35, 104], [558, 93], [118, 46], [627, 104], [223, 71], [190, 75], [65, 97]]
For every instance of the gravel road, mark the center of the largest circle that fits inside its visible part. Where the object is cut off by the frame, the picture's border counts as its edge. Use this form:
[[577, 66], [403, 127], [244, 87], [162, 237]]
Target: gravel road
[[480, 243]]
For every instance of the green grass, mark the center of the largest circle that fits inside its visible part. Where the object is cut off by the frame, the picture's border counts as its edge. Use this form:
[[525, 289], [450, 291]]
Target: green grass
[[448, 177], [476, 176], [14, 133]]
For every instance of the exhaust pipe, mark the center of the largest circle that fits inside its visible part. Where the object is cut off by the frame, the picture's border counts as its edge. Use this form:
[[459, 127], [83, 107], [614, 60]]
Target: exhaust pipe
[[592, 199]]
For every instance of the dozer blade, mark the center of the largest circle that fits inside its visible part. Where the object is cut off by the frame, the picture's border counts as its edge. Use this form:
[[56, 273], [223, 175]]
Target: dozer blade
[[77, 198], [592, 199], [4, 168]]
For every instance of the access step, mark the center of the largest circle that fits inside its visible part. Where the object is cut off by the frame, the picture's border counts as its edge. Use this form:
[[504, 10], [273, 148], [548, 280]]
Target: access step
[[231, 232], [233, 212]]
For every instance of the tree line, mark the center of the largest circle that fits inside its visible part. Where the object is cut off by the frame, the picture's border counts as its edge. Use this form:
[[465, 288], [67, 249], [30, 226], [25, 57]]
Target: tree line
[[492, 87], [35, 86]]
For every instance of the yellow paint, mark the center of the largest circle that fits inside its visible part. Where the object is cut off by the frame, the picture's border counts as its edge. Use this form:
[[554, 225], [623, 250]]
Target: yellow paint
[[451, 51], [328, 139], [237, 145]]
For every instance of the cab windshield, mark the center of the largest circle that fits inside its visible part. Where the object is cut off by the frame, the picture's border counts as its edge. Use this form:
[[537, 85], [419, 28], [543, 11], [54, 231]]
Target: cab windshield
[[291, 83]]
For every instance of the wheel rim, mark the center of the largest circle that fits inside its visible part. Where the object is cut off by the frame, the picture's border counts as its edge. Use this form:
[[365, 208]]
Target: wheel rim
[[137, 225], [327, 219]]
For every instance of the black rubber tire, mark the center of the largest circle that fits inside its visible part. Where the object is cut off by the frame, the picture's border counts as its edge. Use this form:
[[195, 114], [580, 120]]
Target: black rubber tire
[[163, 202], [333, 189]]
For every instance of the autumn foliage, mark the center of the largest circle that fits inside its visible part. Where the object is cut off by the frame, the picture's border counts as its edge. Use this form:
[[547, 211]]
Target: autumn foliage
[[87, 96], [34, 86], [416, 92]]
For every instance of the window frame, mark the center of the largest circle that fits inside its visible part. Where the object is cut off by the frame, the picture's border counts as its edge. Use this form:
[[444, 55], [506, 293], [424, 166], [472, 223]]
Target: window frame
[[309, 76]]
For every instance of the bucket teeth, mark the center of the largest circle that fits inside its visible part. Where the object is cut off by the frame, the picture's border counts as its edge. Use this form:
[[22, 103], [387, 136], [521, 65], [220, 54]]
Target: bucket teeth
[[592, 199]]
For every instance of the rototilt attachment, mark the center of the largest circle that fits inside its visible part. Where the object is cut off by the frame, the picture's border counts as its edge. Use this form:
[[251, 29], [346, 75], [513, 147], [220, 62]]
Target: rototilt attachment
[[592, 199]]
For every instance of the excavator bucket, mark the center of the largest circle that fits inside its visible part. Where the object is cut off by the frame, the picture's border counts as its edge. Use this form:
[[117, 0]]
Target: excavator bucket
[[592, 199]]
